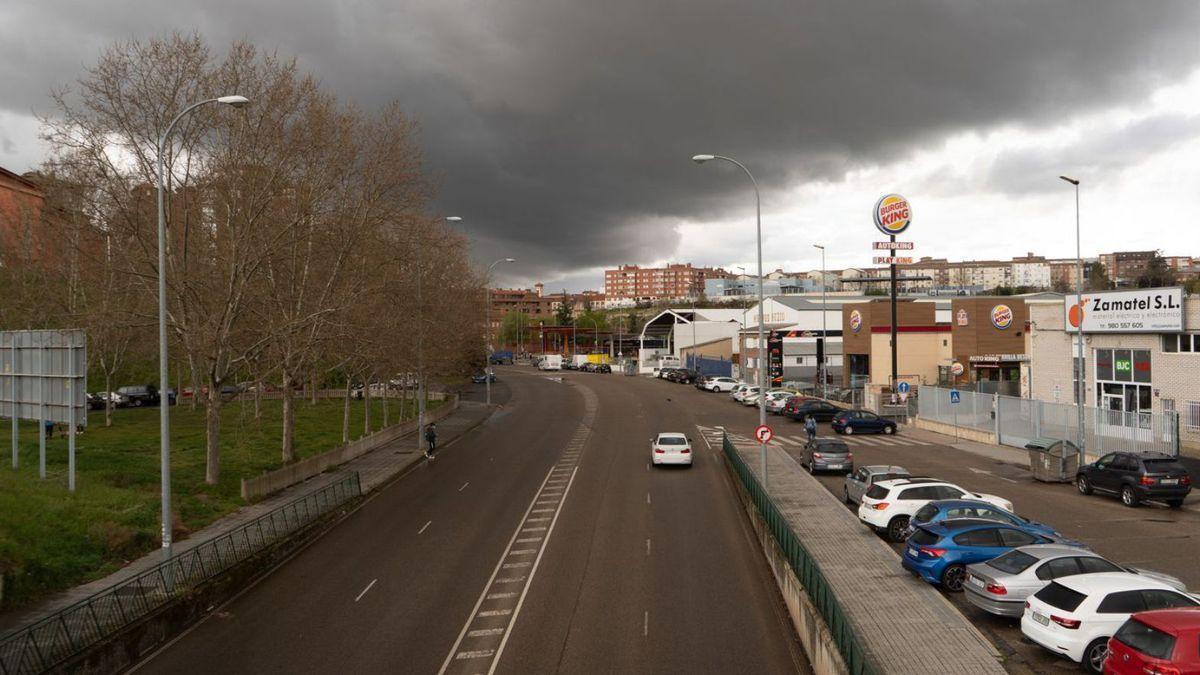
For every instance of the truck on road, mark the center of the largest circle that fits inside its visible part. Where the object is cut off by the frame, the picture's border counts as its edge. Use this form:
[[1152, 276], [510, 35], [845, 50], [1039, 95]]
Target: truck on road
[[550, 362]]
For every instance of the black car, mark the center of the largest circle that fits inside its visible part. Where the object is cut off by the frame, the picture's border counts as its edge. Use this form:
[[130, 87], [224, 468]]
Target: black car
[[95, 402], [821, 411], [701, 380], [1136, 477], [483, 378], [140, 395], [665, 373], [602, 368], [686, 376]]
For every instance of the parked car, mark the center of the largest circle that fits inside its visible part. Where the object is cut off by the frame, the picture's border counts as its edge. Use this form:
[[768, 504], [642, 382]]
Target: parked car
[[1135, 478], [1156, 641], [687, 376], [1076, 616], [940, 552], [945, 509], [796, 401], [827, 454], [1001, 585], [738, 389], [95, 401], [118, 401], [671, 448], [887, 506], [749, 390], [777, 401], [140, 395], [723, 384], [861, 480], [482, 378], [862, 422], [602, 368], [821, 411], [664, 372]]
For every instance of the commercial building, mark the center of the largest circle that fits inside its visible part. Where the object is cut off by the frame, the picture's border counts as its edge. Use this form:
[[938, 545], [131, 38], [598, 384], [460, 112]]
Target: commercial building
[[987, 339], [1142, 362], [21, 204], [746, 287], [799, 332], [631, 283], [923, 341]]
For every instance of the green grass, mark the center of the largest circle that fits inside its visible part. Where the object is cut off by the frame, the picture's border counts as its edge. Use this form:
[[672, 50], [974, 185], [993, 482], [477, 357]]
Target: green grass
[[52, 539]]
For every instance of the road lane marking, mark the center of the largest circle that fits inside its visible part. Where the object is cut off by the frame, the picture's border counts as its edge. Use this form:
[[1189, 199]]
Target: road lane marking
[[647, 547], [787, 440], [364, 591], [509, 566], [524, 551], [646, 623], [477, 654], [501, 596], [495, 612], [484, 632], [464, 486], [528, 540], [647, 497], [422, 530]]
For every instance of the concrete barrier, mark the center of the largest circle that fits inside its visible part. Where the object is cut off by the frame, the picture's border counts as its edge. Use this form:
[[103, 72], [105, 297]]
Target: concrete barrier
[[298, 472], [965, 433]]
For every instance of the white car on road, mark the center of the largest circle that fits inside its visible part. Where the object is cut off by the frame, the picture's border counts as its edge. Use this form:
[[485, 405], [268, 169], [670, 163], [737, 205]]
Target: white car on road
[[1076, 615], [671, 448], [888, 505], [721, 384], [741, 396]]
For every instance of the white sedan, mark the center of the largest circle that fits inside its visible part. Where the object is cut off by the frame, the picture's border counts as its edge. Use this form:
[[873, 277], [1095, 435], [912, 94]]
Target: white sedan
[[722, 384], [671, 448]]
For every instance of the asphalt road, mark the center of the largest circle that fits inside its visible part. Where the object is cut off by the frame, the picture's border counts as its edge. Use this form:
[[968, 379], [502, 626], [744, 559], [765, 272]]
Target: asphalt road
[[1150, 536], [633, 569]]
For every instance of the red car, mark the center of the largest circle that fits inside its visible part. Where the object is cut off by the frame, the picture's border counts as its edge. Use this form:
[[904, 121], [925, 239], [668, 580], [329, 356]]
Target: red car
[[1158, 642]]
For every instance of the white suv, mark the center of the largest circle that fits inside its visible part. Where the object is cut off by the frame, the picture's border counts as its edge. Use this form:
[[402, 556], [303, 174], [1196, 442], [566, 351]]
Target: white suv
[[1076, 615], [888, 505], [721, 384]]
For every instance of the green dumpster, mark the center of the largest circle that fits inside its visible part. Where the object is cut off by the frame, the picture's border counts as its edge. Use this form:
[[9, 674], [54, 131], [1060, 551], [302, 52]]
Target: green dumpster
[[1053, 460]]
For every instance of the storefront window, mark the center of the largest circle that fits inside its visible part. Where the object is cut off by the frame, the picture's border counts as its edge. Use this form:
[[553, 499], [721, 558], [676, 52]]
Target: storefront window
[[1120, 374], [1122, 363], [1104, 364], [1141, 365]]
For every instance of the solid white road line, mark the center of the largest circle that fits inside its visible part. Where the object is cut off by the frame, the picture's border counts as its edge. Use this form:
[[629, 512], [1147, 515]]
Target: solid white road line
[[422, 530], [364, 591], [464, 486]]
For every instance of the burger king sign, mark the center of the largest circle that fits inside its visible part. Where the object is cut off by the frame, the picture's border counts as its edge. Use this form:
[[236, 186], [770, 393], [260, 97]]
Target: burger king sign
[[1002, 316], [855, 320], [893, 214]]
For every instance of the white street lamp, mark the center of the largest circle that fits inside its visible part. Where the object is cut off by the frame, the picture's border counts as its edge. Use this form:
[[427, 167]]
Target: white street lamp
[[1080, 369], [762, 373], [487, 326], [164, 402]]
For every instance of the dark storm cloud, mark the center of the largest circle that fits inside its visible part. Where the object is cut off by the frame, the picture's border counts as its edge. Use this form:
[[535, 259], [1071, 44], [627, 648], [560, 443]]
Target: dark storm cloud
[[560, 129]]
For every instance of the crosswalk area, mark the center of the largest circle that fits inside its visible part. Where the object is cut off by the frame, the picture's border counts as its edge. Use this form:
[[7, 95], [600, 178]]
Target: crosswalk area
[[712, 435]]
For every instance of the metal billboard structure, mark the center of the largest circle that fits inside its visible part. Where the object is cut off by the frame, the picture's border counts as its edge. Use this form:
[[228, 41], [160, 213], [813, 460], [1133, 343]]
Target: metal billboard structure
[[43, 377]]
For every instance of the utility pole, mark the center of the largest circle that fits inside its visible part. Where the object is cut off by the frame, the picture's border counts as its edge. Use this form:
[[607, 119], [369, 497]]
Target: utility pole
[[1080, 370]]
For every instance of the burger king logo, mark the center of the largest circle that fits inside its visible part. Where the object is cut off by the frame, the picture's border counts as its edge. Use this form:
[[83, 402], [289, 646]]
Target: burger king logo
[[1002, 316], [893, 215], [855, 320]]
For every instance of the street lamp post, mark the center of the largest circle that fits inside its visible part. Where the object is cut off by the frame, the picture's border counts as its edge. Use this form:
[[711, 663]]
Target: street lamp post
[[487, 330], [824, 331], [762, 379], [164, 403], [1080, 370]]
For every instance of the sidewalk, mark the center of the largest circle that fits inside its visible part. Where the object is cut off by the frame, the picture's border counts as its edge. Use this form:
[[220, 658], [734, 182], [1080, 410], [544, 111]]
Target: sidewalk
[[374, 468], [999, 453]]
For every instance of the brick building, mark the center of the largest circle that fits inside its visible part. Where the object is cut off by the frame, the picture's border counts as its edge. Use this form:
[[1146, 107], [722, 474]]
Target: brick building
[[631, 283], [21, 204]]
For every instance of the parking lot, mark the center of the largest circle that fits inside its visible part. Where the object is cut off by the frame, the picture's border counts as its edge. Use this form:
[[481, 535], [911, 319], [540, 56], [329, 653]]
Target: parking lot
[[1150, 536]]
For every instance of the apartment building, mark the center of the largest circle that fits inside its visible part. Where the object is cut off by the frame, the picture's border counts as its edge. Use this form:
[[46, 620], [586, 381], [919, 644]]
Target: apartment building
[[649, 284]]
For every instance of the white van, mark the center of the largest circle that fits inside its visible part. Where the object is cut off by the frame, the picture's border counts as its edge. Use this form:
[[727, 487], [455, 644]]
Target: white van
[[550, 362]]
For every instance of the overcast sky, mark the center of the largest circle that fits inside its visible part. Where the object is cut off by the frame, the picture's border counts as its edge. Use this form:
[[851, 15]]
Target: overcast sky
[[561, 130]]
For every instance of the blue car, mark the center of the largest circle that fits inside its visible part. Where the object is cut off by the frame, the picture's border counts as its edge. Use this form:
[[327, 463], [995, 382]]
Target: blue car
[[940, 552], [861, 422], [946, 509]]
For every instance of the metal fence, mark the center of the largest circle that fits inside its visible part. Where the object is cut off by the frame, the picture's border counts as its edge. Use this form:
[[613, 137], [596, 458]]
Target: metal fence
[[1015, 421], [53, 640], [858, 661]]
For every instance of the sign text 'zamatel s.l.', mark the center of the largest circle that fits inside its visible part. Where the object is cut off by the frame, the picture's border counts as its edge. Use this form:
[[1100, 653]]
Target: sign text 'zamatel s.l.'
[[1147, 310]]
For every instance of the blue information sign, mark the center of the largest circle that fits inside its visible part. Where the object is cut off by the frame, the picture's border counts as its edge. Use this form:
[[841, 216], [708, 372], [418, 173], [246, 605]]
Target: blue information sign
[[903, 387], [955, 397]]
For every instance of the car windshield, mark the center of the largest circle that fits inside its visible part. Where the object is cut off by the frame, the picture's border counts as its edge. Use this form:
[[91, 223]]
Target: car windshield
[[877, 492], [1057, 595], [926, 513], [923, 537], [1146, 639], [832, 446], [1162, 465], [672, 440], [1013, 562]]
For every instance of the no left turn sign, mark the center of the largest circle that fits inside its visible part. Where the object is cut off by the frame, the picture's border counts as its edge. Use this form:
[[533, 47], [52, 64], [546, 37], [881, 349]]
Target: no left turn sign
[[764, 434]]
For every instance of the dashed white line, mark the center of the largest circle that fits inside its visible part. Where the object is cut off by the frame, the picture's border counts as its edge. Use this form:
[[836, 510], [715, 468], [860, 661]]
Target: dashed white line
[[647, 497], [646, 623], [528, 540], [484, 632], [495, 612], [364, 591], [647, 547], [524, 551], [501, 596], [422, 530], [464, 486], [478, 654]]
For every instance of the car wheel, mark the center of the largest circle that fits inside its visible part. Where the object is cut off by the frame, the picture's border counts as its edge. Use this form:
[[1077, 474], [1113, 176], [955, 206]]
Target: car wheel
[[1082, 484], [953, 577], [896, 528], [1175, 503], [848, 431], [1128, 498], [889, 430], [1094, 655]]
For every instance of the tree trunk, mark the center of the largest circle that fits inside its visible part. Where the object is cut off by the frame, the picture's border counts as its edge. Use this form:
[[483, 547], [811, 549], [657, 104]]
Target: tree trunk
[[289, 421], [212, 427], [195, 384], [258, 387], [346, 414], [313, 381], [108, 404], [385, 405], [367, 406]]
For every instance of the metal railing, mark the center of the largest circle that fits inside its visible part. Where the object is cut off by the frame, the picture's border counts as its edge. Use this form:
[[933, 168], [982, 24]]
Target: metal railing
[[51, 641], [858, 661], [1015, 421]]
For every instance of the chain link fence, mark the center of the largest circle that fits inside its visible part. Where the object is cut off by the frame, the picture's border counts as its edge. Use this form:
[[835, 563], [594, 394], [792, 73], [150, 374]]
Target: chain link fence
[[53, 640]]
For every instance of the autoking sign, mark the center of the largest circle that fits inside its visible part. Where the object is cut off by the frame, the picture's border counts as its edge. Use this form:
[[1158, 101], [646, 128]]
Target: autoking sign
[[1149, 310]]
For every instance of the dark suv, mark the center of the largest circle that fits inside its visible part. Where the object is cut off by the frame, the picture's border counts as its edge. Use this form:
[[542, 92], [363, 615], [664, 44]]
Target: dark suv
[[140, 395], [1136, 477]]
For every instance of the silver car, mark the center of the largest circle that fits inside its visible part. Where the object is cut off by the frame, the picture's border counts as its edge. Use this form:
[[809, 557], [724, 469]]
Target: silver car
[[1001, 585], [860, 481], [827, 454]]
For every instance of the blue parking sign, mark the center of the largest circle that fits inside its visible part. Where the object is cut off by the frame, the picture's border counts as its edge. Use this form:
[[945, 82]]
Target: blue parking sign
[[955, 397]]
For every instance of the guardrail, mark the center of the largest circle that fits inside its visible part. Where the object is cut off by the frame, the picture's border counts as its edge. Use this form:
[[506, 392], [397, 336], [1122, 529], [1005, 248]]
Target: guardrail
[[51, 641], [806, 570]]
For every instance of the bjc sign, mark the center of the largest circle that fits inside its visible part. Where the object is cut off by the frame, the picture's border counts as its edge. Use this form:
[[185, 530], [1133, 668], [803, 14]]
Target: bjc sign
[[1149, 310]]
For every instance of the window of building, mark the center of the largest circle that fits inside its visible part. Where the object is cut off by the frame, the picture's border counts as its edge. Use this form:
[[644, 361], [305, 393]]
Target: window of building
[[1181, 343], [1123, 385], [1191, 415]]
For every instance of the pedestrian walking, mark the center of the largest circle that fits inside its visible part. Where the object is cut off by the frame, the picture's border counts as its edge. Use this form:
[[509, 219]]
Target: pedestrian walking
[[430, 440], [810, 426]]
